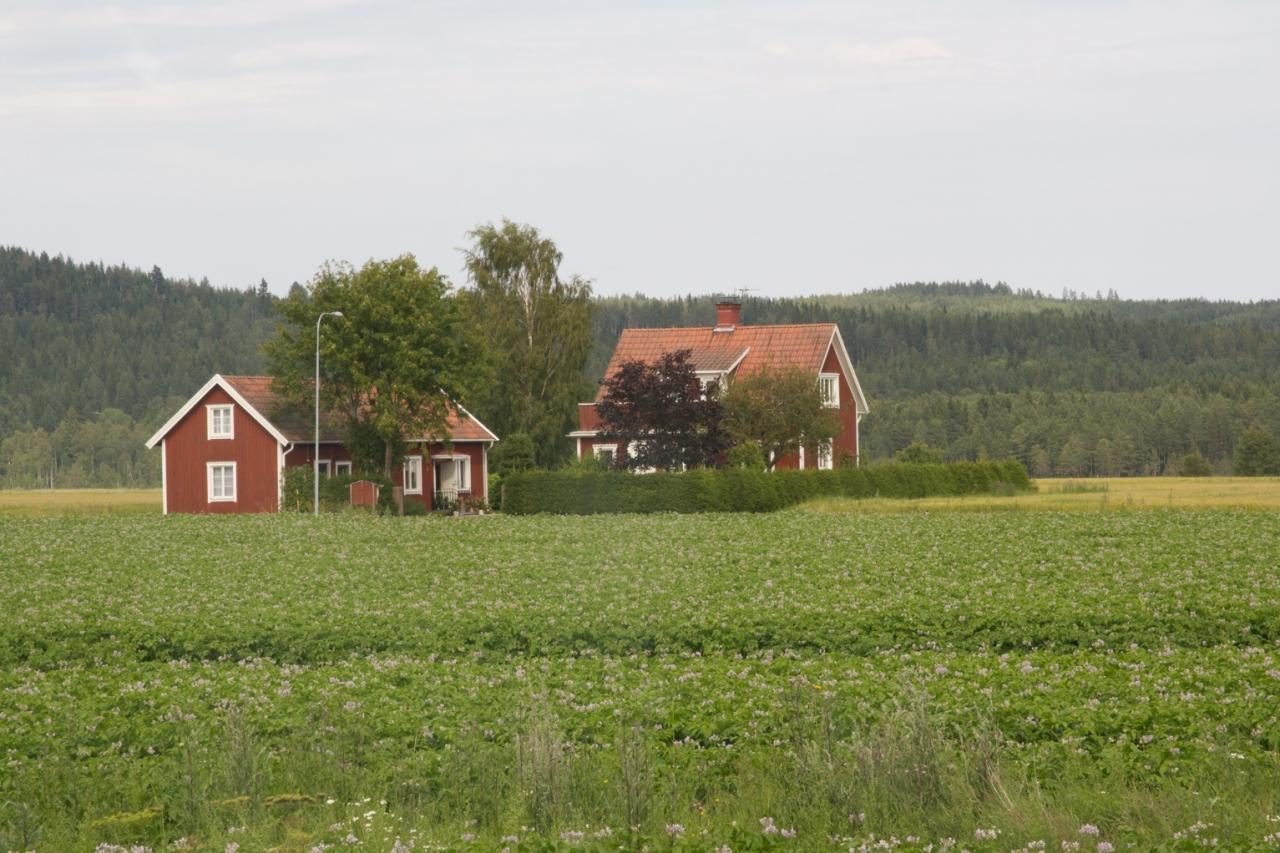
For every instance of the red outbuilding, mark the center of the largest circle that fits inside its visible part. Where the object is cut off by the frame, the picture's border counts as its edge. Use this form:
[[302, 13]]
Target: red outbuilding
[[227, 448], [730, 349]]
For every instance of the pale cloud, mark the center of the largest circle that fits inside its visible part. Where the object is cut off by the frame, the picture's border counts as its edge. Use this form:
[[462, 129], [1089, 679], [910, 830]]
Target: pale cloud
[[786, 146], [893, 52]]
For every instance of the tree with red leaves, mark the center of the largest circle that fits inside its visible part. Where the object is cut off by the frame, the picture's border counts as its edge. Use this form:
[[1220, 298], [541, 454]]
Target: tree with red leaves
[[661, 416]]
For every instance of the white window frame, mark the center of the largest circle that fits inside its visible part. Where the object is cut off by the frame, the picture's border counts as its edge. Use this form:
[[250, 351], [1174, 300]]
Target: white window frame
[[826, 456], [600, 449], [342, 468], [230, 409], [324, 466], [831, 401], [464, 472], [414, 464], [209, 491]]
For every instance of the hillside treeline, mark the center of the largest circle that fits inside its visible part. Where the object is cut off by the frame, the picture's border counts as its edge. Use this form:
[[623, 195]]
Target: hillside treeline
[[1071, 385]]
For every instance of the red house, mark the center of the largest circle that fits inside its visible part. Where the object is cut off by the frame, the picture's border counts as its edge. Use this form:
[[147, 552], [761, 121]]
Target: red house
[[226, 450], [730, 349]]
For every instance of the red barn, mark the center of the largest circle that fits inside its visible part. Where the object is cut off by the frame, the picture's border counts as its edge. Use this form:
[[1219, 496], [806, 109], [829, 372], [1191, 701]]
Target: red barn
[[226, 450], [730, 349]]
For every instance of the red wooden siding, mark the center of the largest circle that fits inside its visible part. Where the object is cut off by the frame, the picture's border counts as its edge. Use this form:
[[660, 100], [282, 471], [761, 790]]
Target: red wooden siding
[[188, 449], [847, 441], [475, 451]]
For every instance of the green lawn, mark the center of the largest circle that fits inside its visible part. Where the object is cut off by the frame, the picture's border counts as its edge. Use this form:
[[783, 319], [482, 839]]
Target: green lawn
[[281, 682]]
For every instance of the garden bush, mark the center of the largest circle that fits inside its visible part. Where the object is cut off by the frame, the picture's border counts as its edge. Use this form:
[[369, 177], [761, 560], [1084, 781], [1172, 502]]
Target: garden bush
[[580, 491]]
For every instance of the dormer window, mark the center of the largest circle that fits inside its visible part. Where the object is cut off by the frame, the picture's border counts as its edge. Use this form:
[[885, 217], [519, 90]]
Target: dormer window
[[221, 421], [829, 387]]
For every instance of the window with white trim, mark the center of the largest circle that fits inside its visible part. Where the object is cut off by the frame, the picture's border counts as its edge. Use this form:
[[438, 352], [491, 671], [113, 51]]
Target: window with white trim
[[323, 466], [413, 475], [463, 473], [825, 459], [342, 468], [606, 453], [220, 420], [222, 481], [829, 388]]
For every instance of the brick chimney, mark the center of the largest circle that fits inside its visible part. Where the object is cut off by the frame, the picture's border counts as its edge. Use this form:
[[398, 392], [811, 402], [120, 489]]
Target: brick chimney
[[728, 315]]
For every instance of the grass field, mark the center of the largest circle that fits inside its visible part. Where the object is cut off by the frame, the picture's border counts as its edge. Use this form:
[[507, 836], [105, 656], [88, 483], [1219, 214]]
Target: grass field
[[1084, 494], [1093, 494], [801, 680], [79, 501]]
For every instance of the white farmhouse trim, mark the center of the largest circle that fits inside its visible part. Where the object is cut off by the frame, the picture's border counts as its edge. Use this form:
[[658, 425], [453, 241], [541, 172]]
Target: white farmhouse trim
[[281, 453], [484, 470], [216, 382], [209, 409], [208, 483], [842, 354], [414, 462], [832, 400], [164, 477], [802, 456]]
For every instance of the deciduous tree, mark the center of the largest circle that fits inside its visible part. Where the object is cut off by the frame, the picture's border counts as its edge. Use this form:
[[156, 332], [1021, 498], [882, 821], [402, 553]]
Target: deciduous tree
[[660, 415], [778, 410], [537, 330], [390, 365]]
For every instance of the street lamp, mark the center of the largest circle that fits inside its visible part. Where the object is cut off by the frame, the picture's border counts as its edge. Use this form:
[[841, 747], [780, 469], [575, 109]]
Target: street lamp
[[315, 455]]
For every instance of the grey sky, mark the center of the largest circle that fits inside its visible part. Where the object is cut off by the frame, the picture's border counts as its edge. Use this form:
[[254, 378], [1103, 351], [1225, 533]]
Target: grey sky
[[667, 147]]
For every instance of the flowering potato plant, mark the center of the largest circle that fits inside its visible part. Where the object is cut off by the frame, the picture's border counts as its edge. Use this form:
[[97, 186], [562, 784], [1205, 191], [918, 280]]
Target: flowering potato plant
[[661, 681]]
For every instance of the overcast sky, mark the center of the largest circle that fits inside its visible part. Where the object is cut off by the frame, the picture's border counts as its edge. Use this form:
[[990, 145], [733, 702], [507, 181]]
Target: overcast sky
[[667, 147]]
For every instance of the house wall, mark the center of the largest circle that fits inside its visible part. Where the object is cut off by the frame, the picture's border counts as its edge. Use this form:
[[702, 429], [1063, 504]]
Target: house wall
[[847, 440], [187, 450], [476, 451]]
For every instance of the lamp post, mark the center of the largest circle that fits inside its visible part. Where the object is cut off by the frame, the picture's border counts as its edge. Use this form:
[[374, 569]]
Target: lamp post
[[315, 455]]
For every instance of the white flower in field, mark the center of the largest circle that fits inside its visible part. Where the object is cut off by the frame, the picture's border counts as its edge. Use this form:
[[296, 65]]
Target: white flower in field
[[724, 848], [1105, 847], [351, 839], [232, 847], [468, 836], [400, 847], [986, 834], [788, 833], [767, 826], [675, 830], [1088, 829], [572, 836]]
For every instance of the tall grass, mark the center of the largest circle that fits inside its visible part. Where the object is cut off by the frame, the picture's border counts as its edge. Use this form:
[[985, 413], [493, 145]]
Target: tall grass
[[907, 775]]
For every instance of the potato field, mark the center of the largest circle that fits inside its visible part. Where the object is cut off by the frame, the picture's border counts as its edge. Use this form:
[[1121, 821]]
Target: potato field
[[795, 681]]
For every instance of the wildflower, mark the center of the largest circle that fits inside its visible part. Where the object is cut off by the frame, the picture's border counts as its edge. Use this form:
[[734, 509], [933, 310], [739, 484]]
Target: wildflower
[[468, 836], [788, 833], [1088, 829], [986, 834], [767, 826], [399, 847], [675, 830], [1105, 847]]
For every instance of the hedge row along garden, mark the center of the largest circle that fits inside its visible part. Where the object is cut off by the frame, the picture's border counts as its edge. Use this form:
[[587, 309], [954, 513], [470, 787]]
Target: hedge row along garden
[[790, 681], [585, 492]]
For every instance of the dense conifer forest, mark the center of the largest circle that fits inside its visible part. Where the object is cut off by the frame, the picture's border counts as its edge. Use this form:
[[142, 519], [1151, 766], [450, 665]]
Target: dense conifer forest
[[94, 357]]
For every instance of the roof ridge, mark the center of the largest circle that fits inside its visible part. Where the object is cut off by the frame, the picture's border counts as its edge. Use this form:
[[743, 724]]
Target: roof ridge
[[740, 326]]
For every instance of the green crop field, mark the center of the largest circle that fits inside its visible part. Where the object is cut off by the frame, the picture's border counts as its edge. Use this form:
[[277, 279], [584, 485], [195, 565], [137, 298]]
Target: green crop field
[[795, 681]]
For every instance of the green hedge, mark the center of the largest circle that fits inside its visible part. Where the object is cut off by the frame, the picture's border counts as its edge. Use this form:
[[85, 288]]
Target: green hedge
[[579, 492], [335, 495]]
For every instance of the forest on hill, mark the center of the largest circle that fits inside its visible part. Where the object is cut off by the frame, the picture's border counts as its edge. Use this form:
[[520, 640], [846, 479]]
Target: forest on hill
[[94, 357]]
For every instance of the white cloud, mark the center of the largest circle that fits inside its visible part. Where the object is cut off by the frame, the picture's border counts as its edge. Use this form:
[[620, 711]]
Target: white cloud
[[894, 52]]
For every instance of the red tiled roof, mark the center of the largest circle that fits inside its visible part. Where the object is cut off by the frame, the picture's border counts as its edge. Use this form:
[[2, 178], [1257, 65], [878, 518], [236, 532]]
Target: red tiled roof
[[258, 393], [775, 347]]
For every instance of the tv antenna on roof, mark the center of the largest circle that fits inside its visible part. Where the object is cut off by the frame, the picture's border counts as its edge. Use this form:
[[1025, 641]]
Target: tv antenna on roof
[[743, 291]]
